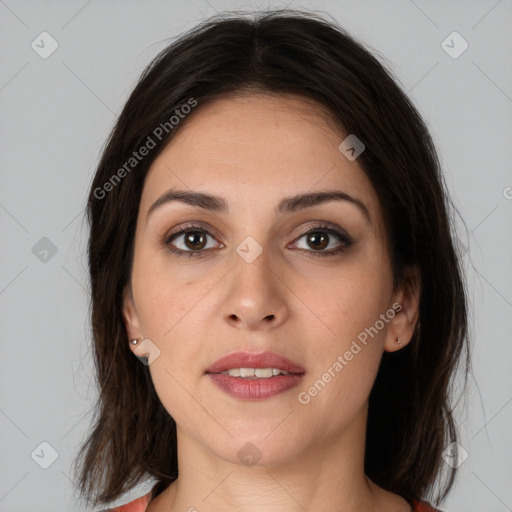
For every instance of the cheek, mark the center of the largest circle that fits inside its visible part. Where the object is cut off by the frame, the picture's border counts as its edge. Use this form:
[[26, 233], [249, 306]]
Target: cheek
[[166, 308], [347, 350], [343, 373], [346, 300], [163, 295], [175, 310]]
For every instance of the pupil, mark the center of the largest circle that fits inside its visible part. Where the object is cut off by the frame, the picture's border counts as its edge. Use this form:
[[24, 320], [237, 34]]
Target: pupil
[[192, 238], [316, 237]]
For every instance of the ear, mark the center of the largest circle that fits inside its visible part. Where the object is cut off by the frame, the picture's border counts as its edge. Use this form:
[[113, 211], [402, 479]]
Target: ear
[[130, 317], [402, 325]]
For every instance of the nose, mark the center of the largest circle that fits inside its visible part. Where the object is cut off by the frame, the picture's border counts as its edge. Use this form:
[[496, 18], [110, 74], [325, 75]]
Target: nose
[[255, 297]]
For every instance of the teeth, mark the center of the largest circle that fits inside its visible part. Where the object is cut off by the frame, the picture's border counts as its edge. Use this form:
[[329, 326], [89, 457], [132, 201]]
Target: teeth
[[258, 373], [246, 372], [263, 373]]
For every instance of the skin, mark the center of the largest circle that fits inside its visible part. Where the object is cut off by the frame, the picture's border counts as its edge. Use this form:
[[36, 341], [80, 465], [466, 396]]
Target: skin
[[253, 151]]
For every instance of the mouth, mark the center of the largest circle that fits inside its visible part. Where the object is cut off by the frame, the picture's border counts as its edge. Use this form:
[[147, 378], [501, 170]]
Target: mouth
[[249, 376], [255, 373], [247, 365]]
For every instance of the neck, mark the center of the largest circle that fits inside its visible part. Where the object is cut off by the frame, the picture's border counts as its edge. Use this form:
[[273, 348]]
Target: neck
[[327, 475]]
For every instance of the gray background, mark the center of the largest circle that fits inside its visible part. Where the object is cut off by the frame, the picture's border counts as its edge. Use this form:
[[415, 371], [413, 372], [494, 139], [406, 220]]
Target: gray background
[[56, 114]]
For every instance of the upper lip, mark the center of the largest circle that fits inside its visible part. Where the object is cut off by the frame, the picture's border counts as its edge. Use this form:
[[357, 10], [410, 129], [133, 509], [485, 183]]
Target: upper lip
[[252, 360]]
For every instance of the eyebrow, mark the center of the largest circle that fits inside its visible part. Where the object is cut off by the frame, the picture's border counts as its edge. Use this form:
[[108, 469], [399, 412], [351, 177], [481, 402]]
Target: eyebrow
[[287, 205]]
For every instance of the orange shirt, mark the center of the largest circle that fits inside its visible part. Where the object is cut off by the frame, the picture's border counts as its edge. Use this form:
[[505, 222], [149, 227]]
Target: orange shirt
[[140, 505]]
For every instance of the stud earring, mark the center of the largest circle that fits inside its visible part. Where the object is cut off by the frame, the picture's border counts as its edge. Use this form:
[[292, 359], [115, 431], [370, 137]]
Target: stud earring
[[399, 341], [135, 341]]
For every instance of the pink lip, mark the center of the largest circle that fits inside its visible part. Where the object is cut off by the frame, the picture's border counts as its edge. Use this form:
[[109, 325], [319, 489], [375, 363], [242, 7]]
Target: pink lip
[[251, 360], [255, 389]]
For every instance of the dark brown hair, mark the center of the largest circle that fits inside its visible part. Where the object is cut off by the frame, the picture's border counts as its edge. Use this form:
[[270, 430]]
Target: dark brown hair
[[410, 418]]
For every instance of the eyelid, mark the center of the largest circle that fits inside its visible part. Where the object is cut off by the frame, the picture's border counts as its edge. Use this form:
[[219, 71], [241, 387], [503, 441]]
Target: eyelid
[[191, 226], [322, 225], [332, 229]]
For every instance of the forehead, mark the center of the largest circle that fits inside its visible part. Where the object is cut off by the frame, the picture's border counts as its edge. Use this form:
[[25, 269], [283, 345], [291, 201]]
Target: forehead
[[255, 149]]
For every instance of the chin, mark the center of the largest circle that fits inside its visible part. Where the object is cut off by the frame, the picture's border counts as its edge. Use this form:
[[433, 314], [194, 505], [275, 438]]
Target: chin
[[259, 450]]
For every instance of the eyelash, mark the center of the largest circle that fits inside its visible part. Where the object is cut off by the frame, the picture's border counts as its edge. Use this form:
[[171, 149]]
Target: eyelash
[[343, 237]]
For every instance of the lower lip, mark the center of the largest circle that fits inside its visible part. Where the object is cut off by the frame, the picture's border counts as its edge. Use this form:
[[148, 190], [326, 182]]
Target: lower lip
[[255, 389]]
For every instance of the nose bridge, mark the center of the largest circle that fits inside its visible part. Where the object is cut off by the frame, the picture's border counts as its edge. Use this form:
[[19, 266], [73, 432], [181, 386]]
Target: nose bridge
[[254, 295]]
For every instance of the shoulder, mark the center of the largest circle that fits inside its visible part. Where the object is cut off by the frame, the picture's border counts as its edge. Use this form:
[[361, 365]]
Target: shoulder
[[423, 506], [137, 505]]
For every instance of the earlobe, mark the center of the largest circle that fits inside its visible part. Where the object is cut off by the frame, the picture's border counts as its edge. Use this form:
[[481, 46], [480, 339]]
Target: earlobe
[[401, 327]]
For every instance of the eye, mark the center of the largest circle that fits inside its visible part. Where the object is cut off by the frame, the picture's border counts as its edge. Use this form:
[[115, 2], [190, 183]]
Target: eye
[[190, 240], [193, 240], [321, 237]]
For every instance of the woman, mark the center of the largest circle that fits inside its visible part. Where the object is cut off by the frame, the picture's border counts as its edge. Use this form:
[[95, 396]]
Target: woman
[[270, 239]]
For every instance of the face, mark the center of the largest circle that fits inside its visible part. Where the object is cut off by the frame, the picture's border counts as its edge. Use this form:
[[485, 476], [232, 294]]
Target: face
[[306, 281]]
